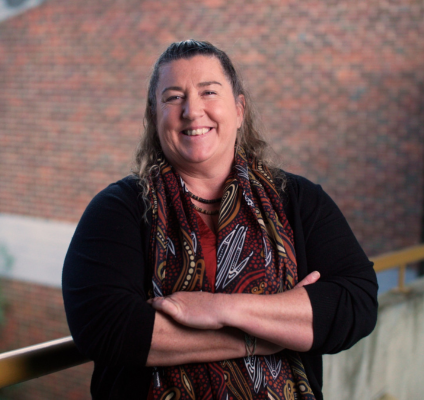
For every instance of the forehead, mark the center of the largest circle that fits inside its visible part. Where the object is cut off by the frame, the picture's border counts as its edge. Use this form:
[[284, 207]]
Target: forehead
[[194, 70]]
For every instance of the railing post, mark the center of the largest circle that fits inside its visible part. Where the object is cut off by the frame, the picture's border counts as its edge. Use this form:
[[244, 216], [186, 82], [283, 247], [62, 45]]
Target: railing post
[[399, 259], [401, 277], [401, 280]]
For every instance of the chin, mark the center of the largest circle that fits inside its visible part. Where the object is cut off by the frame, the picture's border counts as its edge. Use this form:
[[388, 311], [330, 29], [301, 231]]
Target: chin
[[197, 158]]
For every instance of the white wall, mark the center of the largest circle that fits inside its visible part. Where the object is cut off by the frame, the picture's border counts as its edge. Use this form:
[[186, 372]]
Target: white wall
[[34, 248], [10, 8], [388, 362]]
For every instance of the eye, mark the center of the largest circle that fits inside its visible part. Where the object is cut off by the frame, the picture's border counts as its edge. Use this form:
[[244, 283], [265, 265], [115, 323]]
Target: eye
[[175, 99], [209, 93]]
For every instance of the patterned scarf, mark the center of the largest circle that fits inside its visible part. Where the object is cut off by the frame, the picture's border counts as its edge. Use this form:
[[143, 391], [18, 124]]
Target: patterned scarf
[[255, 254]]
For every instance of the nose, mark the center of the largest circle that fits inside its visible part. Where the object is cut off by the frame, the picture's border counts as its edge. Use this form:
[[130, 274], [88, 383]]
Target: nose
[[192, 108]]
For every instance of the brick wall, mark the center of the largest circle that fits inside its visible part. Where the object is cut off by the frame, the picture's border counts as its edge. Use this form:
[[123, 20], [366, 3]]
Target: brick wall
[[34, 314], [339, 86]]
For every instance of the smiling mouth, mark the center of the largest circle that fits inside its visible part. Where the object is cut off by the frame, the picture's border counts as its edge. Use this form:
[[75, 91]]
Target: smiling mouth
[[196, 132]]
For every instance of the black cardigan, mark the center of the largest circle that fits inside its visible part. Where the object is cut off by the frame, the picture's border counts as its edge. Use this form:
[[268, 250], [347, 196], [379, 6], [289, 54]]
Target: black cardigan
[[104, 284]]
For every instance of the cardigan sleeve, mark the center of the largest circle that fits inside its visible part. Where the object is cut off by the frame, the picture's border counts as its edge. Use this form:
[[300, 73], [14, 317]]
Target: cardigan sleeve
[[344, 300], [104, 279]]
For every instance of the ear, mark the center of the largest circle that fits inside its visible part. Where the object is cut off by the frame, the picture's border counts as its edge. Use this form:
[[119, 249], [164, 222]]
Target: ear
[[240, 105]]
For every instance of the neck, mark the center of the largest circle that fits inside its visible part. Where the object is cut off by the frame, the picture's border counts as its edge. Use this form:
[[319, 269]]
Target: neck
[[204, 186], [207, 183]]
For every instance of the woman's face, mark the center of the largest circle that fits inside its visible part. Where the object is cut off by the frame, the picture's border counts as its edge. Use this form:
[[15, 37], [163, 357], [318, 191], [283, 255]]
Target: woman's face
[[197, 114]]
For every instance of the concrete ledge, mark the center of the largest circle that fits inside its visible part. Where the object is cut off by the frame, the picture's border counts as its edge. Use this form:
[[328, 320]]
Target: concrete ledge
[[389, 363]]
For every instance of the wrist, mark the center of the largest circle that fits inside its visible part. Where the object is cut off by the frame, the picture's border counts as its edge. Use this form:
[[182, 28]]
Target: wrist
[[224, 306]]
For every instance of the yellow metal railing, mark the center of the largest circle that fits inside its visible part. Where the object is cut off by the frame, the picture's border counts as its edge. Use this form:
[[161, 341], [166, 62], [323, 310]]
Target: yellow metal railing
[[38, 360], [399, 259], [45, 358]]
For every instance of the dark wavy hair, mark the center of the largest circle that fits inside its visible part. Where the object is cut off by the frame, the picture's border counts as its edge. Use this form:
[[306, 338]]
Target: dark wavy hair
[[149, 146]]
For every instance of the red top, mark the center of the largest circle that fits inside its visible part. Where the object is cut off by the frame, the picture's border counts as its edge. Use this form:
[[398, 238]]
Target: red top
[[208, 241]]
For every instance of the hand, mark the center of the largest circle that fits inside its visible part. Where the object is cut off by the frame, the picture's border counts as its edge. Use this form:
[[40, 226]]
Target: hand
[[194, 309], [308, 280], [204, 310]]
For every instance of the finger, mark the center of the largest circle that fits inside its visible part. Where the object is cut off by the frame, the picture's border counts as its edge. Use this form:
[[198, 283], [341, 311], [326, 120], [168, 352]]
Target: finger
[[153, 299], [157, 302], [309, 279], [165, 305]]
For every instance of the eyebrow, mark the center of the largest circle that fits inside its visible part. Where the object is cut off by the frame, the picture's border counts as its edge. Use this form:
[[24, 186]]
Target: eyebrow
[[201, 84]]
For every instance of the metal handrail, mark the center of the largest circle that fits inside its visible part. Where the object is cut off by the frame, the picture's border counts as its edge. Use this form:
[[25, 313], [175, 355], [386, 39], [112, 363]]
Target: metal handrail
[[39, 360], [45, 358], [399, 259]]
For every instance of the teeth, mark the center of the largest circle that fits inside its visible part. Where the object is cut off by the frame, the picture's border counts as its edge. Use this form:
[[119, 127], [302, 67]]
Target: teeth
[[196, 132]]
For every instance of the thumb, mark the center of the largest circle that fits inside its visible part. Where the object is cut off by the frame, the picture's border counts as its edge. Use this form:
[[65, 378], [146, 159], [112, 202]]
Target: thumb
[[309, 279]]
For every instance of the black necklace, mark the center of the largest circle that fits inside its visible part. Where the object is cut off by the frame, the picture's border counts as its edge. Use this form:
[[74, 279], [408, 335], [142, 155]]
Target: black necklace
[[203, 211], [204, 201]]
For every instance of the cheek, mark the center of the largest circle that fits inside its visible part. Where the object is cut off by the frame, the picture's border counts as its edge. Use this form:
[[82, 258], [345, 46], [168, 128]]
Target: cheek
[[168, 118], [167, 135], [226, 114], [162, 126], [233, 117], [165, 139]]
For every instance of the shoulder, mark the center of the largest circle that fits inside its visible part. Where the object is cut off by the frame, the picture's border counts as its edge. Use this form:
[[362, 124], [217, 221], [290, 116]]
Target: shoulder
[[296, 184], [128, 187], [311, 212], [125, 193], [299, 193], [118, 205]]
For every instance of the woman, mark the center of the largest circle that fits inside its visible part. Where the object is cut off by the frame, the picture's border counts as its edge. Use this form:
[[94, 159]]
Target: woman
[[182, 281]]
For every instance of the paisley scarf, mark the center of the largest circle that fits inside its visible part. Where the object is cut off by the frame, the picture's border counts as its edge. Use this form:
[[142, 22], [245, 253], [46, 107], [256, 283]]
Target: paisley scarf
[[255, 254]]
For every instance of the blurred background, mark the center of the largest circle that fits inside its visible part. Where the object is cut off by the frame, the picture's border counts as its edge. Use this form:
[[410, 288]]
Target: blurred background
[[338, 85]]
